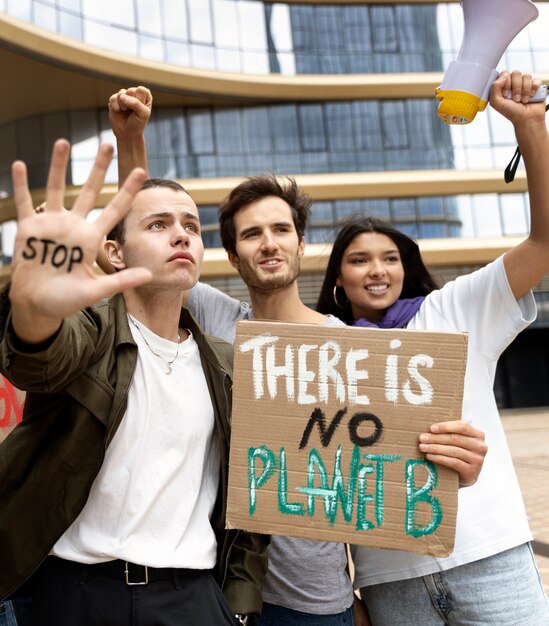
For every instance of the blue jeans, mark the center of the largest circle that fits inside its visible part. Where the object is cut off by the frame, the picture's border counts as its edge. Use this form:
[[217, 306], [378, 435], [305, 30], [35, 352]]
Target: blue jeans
[[273, 615], [504, 589], [15, 612]]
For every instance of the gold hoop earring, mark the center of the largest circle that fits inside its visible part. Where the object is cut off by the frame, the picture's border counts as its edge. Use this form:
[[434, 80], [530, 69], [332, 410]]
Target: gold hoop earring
[[340, 306]]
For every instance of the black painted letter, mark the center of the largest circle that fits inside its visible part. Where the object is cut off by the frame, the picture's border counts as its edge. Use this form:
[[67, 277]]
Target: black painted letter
[[356, 421]]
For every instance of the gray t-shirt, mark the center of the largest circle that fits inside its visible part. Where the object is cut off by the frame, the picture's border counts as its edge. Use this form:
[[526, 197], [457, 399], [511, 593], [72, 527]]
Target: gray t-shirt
[[303, 575]]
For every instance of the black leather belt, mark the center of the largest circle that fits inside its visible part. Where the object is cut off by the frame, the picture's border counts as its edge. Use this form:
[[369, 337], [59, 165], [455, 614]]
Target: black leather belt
[[131, 573]]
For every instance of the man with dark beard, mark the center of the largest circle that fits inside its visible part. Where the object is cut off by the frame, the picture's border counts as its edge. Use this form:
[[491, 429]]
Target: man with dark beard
[[262, 226]]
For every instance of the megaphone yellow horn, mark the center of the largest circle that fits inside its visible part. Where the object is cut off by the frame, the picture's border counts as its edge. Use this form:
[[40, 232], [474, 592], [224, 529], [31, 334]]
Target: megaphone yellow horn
[[489, 27]]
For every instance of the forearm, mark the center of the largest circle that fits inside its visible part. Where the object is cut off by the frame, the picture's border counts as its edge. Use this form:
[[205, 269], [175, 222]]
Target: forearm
[[533, 140], [245, 572], [132, 153]]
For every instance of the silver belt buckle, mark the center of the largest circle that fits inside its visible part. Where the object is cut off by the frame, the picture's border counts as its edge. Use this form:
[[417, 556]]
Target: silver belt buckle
[[141, 582]]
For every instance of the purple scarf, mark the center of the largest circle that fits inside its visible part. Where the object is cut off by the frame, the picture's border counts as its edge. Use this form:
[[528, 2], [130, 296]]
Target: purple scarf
[[397, 315]]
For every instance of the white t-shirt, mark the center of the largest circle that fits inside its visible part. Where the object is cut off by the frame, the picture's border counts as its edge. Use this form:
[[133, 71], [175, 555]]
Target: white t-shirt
[[303, 575], [491, 515], [153, 497]]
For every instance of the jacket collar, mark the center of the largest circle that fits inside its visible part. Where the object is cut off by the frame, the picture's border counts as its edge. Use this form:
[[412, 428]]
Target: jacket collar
[[123, 333]]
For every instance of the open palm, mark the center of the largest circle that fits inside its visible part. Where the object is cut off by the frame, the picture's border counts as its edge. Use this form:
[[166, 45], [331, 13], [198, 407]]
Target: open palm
[[52, 274]]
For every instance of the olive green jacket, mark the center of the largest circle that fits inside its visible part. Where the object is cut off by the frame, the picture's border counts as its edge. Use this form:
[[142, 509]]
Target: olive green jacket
[[77, 388]]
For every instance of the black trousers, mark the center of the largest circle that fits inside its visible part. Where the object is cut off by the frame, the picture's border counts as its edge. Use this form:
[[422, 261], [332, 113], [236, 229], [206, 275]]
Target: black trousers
[[73, 594]]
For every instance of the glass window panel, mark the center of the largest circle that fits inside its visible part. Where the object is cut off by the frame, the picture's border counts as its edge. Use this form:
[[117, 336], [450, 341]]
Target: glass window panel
[[115, 39], [281, 28], [174, 15], [378, 207], [202, 56], [288, 164], [443, 28], [251, 24], [177, 53], [314, 162], [343, 162], [255, 62], [514, 214], [228, 134], [404, 207], [430, 206], [456, 133], [480, 158], [286, 61], [80, 170], [286, 133], [233, 165], [200, 21], [44, 17], [410, 229], [170, 136], [322, 212], [161, 167], [228, 60], [225, 24], [366, 119], [429, 230], [201, 132], [256, 130], [311, 121], [460, 159], [71, 5], [486, 215], [393, 125], [259, 164], [344, 208], [384, 32], [206, 167], [70, 25], [522, 59], [20, 9], [9, 230], [356, 27], [151, 48], [320, 235], [149, 17], [455, 24], [328, 29], [120, 12]]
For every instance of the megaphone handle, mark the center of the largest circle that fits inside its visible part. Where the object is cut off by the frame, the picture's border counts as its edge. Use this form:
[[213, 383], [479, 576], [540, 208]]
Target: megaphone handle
[[539, 96]]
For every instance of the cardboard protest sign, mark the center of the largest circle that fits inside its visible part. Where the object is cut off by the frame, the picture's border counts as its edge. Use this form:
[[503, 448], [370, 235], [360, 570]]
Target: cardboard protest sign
[[325, 429], [11, 407]]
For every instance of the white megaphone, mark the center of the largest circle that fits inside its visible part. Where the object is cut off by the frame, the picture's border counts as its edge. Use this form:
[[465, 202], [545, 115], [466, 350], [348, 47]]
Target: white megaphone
[[489, 27]]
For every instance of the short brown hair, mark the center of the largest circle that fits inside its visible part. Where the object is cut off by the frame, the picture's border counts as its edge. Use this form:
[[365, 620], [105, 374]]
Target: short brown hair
[[259, 187], [118, 233]]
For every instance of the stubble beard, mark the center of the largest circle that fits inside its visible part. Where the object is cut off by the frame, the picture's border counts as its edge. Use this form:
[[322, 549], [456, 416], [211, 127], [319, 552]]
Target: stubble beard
[[269, 284]]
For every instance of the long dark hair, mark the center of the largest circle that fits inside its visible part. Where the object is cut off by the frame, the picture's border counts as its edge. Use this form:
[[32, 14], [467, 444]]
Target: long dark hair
[[418, 281]]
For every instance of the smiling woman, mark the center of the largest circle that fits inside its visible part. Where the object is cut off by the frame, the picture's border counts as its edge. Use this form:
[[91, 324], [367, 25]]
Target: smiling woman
[[376, 277]]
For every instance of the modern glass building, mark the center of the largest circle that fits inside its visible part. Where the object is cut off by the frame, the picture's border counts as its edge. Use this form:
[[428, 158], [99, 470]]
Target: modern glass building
[[339, 95]]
